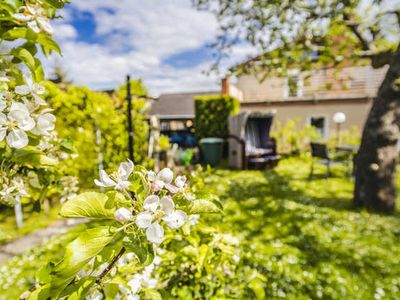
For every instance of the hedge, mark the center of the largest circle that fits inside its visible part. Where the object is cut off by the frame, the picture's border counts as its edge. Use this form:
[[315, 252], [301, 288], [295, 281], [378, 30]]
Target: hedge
[[212, 114]]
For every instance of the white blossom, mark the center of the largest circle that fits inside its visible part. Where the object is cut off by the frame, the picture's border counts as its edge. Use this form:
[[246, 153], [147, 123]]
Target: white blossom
[[123, 215], [44, 123], [36, 17], [14, 125], [31, 88], [120, 180], [161, 179], [135, 283], [155, 233], [144, 219], [175, 219]]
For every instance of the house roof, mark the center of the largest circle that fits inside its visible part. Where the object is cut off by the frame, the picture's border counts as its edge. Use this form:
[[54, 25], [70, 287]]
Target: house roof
[[178, 105]]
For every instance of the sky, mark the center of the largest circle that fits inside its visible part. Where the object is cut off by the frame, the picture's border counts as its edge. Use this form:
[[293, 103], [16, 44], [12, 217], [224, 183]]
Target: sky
[[165, 43]]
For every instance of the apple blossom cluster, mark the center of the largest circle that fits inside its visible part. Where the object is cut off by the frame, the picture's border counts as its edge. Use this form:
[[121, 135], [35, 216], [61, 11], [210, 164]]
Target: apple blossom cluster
[[22, 113], [35, 17], [158, 208], [12, 189]]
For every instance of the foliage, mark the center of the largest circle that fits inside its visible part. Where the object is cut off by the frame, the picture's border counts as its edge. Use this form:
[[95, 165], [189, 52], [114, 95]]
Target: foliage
[[212, 114], [29, 148], [292, 138], [164, 143], [83, 116], [143, 210], [322, 33], [281, 236]]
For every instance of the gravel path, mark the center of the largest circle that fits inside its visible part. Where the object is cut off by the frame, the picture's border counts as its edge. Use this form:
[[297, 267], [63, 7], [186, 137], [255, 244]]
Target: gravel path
[[27, 242]]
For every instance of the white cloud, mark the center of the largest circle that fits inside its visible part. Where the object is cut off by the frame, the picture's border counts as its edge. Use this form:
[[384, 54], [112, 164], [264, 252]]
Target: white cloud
[[149, 32]]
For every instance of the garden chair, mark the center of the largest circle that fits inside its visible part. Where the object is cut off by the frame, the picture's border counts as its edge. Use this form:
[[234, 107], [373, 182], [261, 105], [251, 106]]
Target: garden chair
[[320, 154], [250, 144]]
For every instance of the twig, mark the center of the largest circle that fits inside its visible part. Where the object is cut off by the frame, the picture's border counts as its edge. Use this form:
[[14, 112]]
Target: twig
[[110, 265]]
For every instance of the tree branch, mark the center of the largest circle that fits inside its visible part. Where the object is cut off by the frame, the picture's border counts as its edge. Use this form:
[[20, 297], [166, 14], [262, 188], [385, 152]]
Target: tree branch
[[354, 28], [110, 265]]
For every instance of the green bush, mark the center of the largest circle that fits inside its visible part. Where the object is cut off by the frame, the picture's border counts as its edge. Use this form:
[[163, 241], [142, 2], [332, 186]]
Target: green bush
[[81, 112], [212, 114]]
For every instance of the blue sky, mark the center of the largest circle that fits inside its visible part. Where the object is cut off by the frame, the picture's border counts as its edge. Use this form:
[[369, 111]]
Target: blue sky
[[163, 42]]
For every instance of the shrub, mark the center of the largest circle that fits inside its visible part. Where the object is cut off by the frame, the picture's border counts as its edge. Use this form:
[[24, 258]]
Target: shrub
[[212, 113], [81, 113], [292, 138]]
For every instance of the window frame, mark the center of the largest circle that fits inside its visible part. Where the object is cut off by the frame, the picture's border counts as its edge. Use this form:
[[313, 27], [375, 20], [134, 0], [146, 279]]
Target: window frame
[[325, 131]]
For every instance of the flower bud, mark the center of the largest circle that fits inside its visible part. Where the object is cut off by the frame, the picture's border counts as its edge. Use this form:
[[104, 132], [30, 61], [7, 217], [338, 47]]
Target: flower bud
[[123, 215], [165, 175]]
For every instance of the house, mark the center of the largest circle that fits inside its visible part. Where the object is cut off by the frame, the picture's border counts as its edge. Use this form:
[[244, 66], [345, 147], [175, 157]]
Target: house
[[176, 114], [311, 97]]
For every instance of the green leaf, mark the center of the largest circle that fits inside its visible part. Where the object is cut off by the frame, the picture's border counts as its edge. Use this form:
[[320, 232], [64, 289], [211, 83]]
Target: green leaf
[[48, 44], [139, 245], [20, 33], [42, 293], [209, 197], [79, 289], [32, 157], [257, 286], [25, 56], [152, 294], [56, 3], [203, 206], [89, 204], [78, 253]]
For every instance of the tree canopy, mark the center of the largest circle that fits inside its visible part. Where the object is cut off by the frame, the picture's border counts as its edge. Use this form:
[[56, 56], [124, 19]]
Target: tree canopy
[[304, 33]]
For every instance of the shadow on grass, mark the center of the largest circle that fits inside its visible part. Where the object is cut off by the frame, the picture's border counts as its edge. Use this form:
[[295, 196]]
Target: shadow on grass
[[283, 218]]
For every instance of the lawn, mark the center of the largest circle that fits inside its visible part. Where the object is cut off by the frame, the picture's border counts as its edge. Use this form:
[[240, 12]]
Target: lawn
[[301, 236]]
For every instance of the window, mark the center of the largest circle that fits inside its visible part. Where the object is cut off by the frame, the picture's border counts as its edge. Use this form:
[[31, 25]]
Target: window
[[294, 86], [320, 123]]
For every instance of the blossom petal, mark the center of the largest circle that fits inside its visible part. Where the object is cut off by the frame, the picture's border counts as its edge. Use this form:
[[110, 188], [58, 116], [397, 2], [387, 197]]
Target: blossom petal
[[151, 203], [125, 169], [3, 105], [122, 185], [3, 119], [3, 132], [175, 219], [171, 188], [155, 233], [34, 26], [165, 175], [180, 181], [123, 215], [144, 219], [135, 283], [105, 180], [17, 138], [167, 205], [22, 17], [22, 90], [45, 25]]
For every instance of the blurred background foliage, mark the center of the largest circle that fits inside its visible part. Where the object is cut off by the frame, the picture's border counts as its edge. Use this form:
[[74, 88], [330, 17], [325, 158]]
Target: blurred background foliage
[[82, 114]]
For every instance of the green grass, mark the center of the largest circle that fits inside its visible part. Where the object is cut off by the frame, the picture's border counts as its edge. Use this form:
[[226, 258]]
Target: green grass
[[304, 236], [301, 236], [32, 222]]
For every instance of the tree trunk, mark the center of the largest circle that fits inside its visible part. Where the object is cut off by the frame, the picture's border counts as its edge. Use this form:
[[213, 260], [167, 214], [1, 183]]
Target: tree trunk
[[377, 158]]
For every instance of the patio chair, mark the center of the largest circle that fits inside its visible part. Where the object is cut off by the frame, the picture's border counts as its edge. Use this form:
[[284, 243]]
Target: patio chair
[[320, 153], [250, 144]]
